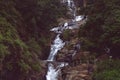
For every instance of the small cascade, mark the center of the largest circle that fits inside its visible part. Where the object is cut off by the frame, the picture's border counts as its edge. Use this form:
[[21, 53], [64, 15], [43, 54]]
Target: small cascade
[[58, 44], [52, 72]]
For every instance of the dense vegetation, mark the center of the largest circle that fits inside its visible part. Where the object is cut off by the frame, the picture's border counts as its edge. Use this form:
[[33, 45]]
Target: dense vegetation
[[101, 36], [101, 32], [107, 70], [23, 25], [24, 39]]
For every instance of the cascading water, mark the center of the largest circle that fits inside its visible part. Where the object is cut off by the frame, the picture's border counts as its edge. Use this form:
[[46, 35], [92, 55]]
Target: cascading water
[[58, 44]]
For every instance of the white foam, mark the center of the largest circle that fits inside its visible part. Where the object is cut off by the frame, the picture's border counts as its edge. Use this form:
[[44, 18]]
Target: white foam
[[57, 45], [78, 18]]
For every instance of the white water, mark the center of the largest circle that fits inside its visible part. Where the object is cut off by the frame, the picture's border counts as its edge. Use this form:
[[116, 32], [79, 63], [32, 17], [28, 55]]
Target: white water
[[58, 44], [52, 72], [78, 18]]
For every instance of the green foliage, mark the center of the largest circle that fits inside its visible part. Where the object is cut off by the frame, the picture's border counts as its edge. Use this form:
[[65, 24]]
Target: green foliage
[[108, 70], [24, 66], [66, 35], [6, 35], [102, 27], [3, 51], [22, 25], [108, 75], [44, 12], [36, 67], [34, 47]]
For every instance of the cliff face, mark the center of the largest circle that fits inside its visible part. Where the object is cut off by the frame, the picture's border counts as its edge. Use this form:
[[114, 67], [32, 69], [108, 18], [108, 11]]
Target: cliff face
[[23, 43]]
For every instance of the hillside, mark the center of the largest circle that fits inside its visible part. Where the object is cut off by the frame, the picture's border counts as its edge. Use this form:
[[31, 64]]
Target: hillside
[[24, 25]]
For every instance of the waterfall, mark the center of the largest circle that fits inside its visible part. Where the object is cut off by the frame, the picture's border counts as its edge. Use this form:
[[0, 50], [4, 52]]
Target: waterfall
[[58, 44]]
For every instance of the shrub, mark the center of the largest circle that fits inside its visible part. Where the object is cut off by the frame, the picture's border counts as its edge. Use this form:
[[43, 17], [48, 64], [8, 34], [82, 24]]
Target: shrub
[[107, 70]]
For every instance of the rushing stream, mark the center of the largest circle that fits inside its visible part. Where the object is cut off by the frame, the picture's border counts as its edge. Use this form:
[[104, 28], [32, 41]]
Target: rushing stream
[[58, 44]]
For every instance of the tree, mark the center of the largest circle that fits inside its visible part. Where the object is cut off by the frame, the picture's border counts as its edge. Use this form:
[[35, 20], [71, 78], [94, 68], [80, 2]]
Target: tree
[[102, 28], [22, 43]]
